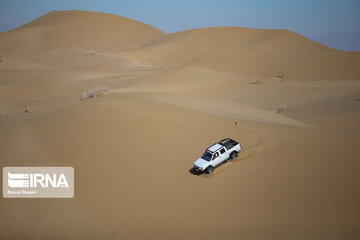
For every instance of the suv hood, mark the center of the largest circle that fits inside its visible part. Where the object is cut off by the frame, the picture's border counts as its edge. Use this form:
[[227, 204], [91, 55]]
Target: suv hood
[[201, 163]]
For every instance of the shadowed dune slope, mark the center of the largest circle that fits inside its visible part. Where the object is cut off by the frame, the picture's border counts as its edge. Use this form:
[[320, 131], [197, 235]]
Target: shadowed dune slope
[[90, 30]]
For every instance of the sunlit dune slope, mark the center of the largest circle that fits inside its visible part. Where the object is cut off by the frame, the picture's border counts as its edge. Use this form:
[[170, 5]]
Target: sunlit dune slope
[[178, 48], [90, 30], [252, 52], [132, 158]]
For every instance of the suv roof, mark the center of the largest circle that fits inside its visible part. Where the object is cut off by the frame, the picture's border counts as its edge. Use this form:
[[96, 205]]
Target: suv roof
[[215, 147]]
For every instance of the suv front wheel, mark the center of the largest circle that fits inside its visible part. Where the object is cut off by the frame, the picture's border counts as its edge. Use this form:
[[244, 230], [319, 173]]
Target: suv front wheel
[[209, 170]]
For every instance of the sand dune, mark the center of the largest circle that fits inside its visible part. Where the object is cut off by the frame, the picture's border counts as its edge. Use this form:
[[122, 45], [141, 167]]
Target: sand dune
[[249, 51], [179, 48], [90, 30], [171, 96]]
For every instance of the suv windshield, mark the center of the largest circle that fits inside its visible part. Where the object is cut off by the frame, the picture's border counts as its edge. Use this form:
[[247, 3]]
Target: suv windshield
[[206, 156]]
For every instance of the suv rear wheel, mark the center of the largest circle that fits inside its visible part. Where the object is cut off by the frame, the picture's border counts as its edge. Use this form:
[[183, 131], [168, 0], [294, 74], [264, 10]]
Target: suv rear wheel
[[233, 155]]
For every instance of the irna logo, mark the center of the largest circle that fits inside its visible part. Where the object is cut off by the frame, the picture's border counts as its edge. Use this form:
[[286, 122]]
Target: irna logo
[[20, 180], [38, 182]]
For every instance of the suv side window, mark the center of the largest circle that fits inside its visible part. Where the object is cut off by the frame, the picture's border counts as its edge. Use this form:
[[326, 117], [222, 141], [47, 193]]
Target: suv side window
[[222, 151], [215, 155]]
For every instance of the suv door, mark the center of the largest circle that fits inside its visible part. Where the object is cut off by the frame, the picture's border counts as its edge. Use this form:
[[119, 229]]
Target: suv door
[[223, 154], [216, 159]]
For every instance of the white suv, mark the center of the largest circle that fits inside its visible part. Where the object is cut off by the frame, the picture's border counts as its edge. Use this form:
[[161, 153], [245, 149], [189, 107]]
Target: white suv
[[217, 154]]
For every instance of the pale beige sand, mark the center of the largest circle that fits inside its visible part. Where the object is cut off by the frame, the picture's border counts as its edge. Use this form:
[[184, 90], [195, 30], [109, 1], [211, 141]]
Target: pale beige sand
[[173, 95]]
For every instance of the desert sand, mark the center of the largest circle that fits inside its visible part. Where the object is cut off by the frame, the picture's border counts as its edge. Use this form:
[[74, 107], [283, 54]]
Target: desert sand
[[172, 96]]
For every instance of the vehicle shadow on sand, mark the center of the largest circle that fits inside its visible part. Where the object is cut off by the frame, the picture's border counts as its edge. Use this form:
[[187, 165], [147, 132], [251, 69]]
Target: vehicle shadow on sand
[[219, 169], [195, 172]]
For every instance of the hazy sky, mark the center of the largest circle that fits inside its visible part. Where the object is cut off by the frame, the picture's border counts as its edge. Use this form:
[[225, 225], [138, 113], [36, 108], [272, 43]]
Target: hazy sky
[[308, 17]]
